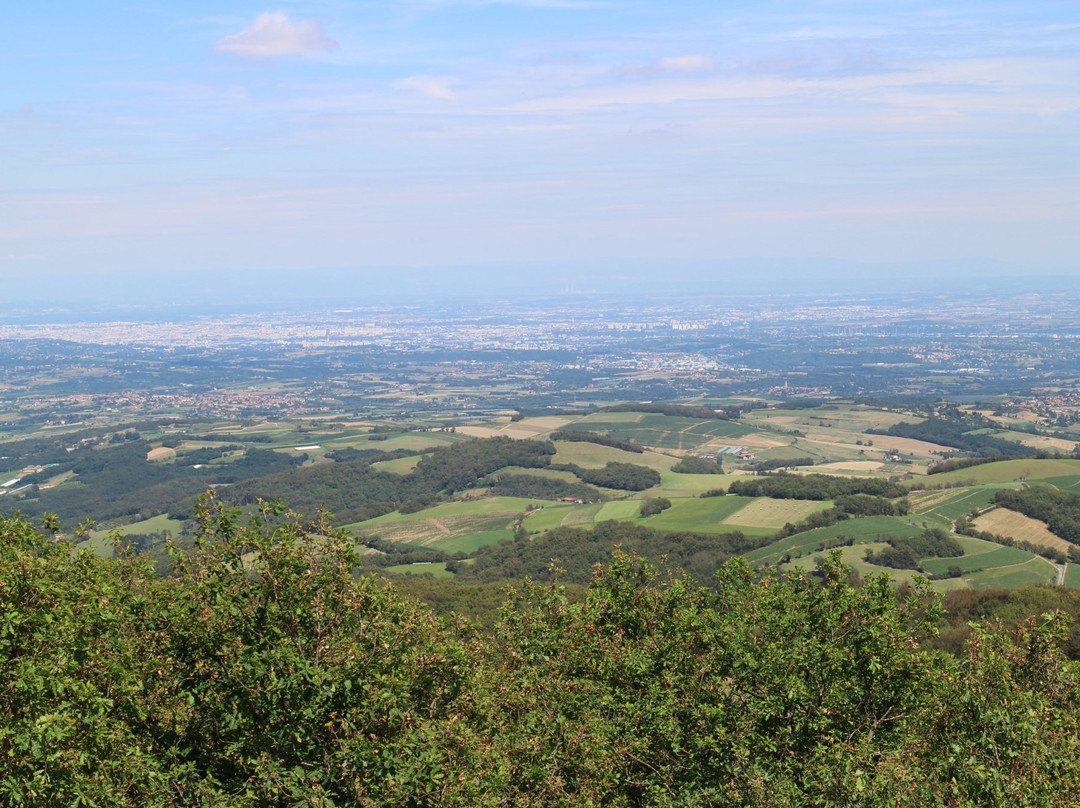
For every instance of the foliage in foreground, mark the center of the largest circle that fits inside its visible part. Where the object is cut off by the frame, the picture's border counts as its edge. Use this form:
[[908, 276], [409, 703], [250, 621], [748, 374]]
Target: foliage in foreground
[[264, 673]]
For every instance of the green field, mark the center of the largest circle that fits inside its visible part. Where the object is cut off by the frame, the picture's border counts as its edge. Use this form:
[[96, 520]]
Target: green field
[[663, 431], [703, 516], [862, 531], [1072, 576], [950, 505], [997, 556], [436, 569], [155, 524], [673, 484], [594, 456], [1007, 471], [549, 518], [853, 557], [452, 526], [1034, 571], [401, 465]]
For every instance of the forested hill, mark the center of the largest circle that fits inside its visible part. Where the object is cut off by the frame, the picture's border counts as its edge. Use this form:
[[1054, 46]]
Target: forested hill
[[264, 672], [966, 433], [353, 490]]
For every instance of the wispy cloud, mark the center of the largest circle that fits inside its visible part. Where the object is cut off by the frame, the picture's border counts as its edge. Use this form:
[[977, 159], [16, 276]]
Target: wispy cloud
[[685, 64], [438, 87], [274, 34]]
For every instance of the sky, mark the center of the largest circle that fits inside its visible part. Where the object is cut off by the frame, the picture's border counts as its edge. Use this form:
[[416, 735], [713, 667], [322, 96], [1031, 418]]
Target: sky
[[477, 144]]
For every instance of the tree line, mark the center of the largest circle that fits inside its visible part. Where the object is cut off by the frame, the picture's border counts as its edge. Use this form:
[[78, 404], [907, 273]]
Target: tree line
[[265, 673], [811, 486]]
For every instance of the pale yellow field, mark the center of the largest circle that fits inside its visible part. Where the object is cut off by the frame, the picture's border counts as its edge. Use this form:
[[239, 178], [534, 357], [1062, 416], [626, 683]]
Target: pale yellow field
[[925, 500], [479, 431], [772, 513], [755, 440], [849, 465], [919, 448], [1022, 528], [1037, 442], [531, 427], [428, 531]]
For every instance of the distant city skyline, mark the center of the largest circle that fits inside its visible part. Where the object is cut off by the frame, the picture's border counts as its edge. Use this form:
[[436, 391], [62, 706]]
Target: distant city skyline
[[434, 145]]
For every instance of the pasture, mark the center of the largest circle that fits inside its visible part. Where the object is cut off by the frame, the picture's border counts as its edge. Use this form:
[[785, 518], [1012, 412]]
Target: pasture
[[708, 515], [401, 465], [1004, 471], [594, 456], [1072, 576], [774, 513], [451, 526], [950, 504], [863, 531], [435, 569]]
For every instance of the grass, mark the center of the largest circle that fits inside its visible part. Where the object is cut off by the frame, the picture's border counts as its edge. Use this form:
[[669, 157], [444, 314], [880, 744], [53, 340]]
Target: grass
[[471, 542], [154, 524], [775, 513], [1008, 471], [853, 557], [621, 509], [451, 526], [591, 455], [998, 557], [1072, 576], [698, 515], [436, 569], [863, 531], [549, 518], [949, 505], [663, 431], [400, 465], [673, 484], [1035, 571], [1065, 483]]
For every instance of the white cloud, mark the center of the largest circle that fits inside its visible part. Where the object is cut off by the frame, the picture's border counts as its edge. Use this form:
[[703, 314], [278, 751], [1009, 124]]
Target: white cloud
[[274, 34], [440, 87], [686, 64]]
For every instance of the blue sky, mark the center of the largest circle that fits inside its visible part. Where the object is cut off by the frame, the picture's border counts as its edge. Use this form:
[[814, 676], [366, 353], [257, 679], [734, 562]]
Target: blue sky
[[480, 139]]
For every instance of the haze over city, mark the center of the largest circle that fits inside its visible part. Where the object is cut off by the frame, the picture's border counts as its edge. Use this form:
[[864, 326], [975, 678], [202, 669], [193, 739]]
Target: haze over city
[[585, 144]]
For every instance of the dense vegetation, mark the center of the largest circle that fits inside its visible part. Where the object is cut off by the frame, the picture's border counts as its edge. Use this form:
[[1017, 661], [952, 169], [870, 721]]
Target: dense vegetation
[[354, 491], [263, 673], [957, 463], [534, 486], [626, 476], [577, 551], [907, 552], [813, 486], [674, 410], [698, 465], [125, 484], [584, 436], [1006, 607], [961, 432], [783, 463], [846, 507]]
